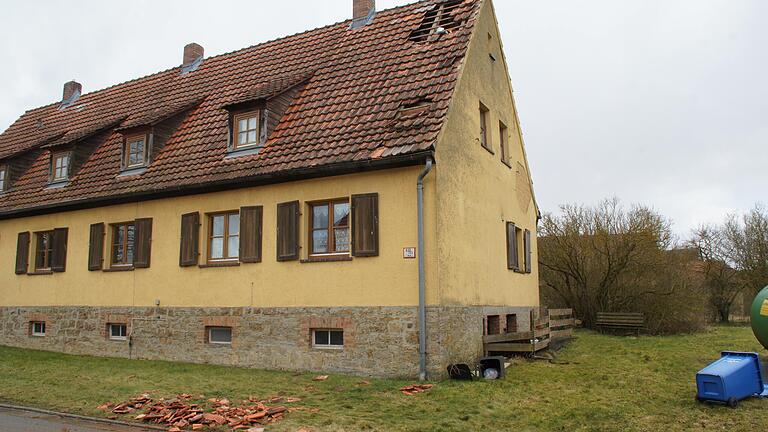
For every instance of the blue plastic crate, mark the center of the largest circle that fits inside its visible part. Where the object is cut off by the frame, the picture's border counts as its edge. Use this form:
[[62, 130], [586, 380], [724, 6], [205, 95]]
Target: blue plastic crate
[[734, 377]]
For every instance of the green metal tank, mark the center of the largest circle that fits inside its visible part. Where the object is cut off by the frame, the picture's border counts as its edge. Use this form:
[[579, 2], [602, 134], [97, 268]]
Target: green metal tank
[[760, 317]]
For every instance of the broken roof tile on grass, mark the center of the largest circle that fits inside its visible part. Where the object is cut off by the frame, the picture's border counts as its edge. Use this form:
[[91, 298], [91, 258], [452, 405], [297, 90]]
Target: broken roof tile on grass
[[354, 85]]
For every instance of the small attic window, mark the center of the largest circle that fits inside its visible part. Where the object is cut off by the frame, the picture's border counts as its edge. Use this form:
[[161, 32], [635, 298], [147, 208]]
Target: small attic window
[[3, 177], [247, 130], [135, 151], [60, 163], [440, 16]]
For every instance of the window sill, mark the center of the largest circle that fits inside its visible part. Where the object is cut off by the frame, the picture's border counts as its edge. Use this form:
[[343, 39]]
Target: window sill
[[247, 151], [518, 271], [488, 149], [40, 273], [506, 162], [328, 348], [118, 339], [57, 184], [119, 269], [220, 264], [328, 258], [130, 172]]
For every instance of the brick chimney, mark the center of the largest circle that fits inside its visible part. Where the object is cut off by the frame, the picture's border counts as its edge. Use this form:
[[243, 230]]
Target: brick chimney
[[72, 91], [192, 52], [362, 12]]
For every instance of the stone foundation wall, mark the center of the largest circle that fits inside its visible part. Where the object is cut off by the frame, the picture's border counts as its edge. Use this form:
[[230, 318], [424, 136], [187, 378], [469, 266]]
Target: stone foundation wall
[[378, 341]]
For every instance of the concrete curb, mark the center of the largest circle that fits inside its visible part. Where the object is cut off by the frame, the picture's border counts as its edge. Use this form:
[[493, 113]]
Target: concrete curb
[[80, 417]]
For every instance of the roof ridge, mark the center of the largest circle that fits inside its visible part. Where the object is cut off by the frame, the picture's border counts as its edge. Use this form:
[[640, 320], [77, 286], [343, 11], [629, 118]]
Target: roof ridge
[[278, 39]]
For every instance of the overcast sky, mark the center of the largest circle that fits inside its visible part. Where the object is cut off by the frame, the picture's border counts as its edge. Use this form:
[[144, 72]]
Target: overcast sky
[[657, 102]]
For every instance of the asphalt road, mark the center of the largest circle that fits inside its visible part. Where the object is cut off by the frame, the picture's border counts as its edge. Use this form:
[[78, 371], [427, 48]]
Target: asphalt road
[[23, 421]]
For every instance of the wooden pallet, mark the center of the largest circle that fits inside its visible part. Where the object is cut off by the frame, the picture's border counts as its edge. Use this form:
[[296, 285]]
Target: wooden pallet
[[547, 326]]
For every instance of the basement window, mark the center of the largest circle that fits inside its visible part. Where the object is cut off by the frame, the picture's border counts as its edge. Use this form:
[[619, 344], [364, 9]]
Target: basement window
[[328, 338], [511, 323], [118, 332], [440, 16], [37, 328], [219, 335], [493, 325]]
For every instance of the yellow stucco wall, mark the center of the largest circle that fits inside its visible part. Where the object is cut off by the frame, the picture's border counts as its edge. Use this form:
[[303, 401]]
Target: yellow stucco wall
[[477, 194], [386, 280]]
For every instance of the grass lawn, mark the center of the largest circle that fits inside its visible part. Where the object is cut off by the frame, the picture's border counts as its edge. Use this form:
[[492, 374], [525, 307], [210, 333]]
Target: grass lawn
[[609, 383]]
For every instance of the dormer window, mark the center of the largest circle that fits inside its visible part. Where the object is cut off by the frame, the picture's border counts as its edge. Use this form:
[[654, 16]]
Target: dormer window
[[3, 177], [246, 131], [60, 163], [135, 153]]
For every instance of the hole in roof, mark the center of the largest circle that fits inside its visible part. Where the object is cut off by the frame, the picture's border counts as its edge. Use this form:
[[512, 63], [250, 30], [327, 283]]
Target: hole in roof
[[440, 17], [414, 108]]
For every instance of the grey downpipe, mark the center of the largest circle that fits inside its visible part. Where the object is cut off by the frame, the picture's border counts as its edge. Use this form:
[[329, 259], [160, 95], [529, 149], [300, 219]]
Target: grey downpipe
[[422, 276]]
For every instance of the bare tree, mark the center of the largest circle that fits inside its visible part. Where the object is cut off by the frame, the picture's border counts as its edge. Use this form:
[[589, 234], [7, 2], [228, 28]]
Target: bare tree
[[607, 258], [719, 279], [748, 239]]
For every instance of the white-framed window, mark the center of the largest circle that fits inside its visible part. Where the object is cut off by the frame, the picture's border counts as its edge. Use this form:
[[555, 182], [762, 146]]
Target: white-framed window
[[38, 328], [328, 338], [247, 131], [220, 335], [60, 167], [117, 332]]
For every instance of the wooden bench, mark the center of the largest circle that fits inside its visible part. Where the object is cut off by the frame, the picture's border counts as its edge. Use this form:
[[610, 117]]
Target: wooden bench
[[621, 320]]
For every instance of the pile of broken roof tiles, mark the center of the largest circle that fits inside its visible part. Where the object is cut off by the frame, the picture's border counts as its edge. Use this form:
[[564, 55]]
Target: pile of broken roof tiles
[[178, 414]]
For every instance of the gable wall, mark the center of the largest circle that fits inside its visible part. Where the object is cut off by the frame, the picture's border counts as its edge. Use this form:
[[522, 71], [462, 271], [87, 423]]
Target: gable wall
[[477, 193]]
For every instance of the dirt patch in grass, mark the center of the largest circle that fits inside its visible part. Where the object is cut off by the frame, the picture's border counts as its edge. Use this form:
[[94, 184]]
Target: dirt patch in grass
[[606, 383]]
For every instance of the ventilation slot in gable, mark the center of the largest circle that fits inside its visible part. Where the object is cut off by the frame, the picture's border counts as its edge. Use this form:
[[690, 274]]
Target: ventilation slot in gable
[[436, 20]]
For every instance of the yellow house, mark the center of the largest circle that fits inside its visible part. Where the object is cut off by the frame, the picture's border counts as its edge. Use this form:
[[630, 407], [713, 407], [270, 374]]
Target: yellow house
[[354, 199]]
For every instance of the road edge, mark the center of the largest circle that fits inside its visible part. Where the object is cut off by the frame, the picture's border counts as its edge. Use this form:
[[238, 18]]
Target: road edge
[[80, 417]]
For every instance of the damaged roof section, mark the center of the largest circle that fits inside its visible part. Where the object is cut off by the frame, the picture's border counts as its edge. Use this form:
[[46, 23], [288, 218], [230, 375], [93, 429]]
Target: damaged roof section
[[440, 19], [334, 96]]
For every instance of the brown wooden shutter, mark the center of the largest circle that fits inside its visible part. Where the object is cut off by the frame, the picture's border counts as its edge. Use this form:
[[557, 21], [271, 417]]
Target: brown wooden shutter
[[513, 262], [365, 225], [142, 243], [288, 231], [528, 252], [96, 247], [22, 253], [59, 253], [250, 234], [190, 239]]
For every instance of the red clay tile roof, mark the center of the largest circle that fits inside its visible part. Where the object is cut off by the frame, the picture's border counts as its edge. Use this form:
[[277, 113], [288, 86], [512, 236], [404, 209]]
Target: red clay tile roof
[[348, 111]]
